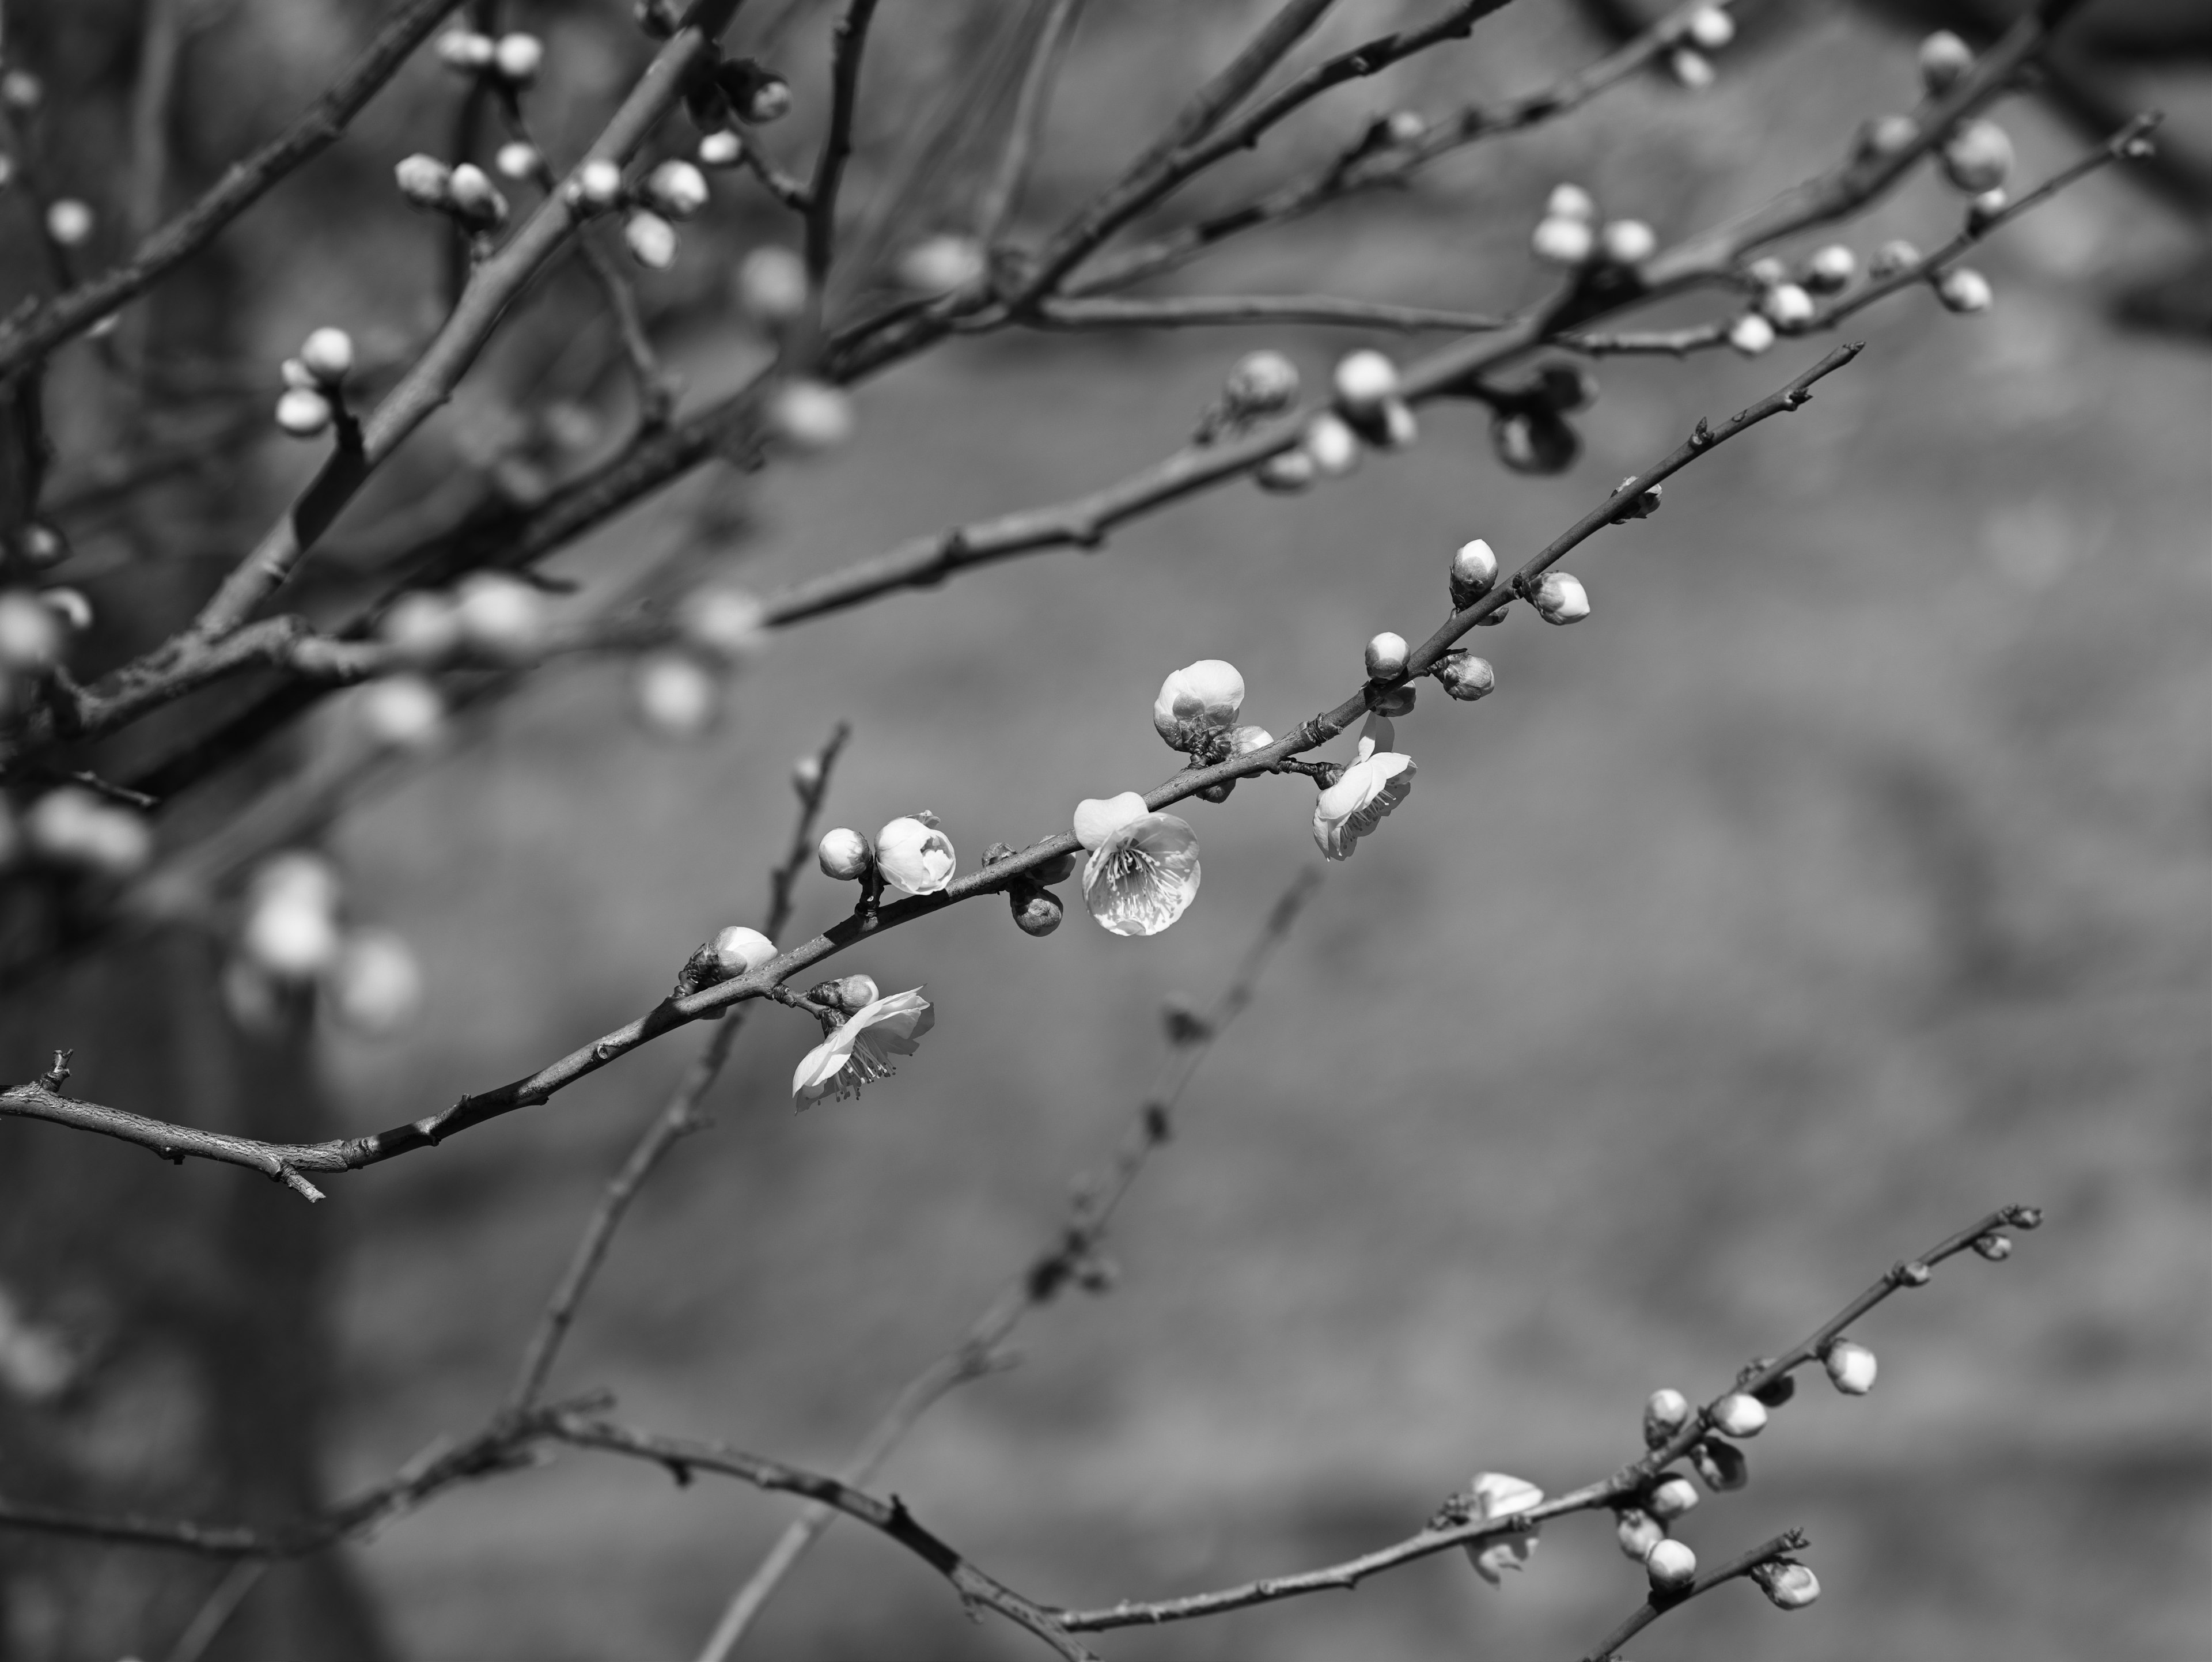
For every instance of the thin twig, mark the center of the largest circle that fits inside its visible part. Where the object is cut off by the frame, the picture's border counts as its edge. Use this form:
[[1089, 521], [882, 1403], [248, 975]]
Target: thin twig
[[1209, 311], [1658, 1604], [1002, 195], [214, 1614], [848, 46]]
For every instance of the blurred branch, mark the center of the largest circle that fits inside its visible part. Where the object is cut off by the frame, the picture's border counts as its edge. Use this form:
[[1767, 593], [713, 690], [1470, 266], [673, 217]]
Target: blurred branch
[[1073, 1250], [1002, 195], [1208, 311], [849, 45]]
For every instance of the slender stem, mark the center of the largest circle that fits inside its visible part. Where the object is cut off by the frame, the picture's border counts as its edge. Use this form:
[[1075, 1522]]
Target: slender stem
[[849, 45], [1657, 1605], [1003, 195], [1208, 311]]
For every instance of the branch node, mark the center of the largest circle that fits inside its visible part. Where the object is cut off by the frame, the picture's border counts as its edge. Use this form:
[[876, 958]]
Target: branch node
[[58, 1075]]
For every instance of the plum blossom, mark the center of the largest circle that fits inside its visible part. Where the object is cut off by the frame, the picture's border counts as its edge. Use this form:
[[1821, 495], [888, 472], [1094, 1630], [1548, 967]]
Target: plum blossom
[[1143, 870], [1198, 700], [859, 1051], [915, 855], [1377, 780], [1497, 1495]]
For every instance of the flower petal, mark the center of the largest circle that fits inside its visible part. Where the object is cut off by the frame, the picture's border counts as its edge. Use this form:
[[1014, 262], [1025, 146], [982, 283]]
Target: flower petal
[[1143, 877], [1366, 791], [1098, 818]]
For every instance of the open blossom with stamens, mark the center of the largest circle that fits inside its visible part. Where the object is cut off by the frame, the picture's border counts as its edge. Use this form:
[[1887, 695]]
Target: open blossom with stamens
[[1378, 779], [1198, 700], [1497, 1495], [1143, 870], [915, 855], [860, 1052]]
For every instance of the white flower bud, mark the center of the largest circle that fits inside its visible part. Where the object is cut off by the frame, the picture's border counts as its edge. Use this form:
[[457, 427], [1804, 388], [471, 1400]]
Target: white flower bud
[[1637, 1531], [303, 412], [652, 240], [518, 58], [1751, 334], [1690, 69], [726, 623], [1474, 572], [1983, 209], [1628, 241], [1788, 1585], [1831, 269], [1570, 202], [21, 91], [1893, 256], [1944, 58], [1994, 1247], [1671, 1565], [1711, 28], [1405, 127], [721, 149], [1740, 1414], [290, 929], [1976, 156], [421, 628], [855, 991], [1386, 656], [1851, 1367], [1286, 472], [1260, 384], [941, 265], [1670, 1497], [844, 855], [1961, 289], [375, 986], [401, 712], [1242, 741], [69, 222], [424, 180], [806, 774], [501, 617], [474, 196], [1766, 271], [518, 161], [1788, 307], [1891, 135], [70, 606], [915, 855], [597, 186], [327, 355], [675, 694], [1398, 427], [1560, 599], [1331, 445], [769, 100], [466, 49], [1364, 379], [1563, 241], [811, 414], [772, 285], [1665, 1413], [739, 950], [1464, 676], [677, 188], [73, 827], [32, 635], [1197, 701], [41, 546]]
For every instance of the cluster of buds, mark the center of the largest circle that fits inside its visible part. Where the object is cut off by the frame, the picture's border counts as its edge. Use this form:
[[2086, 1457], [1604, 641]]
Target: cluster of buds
[[511, 60], [679, 691], [74, 829], [313, 396], [911, 852], [491, 616], [1784, 305], [1369, 408], [1570, 233], [651, 204], [465, 192], [292, 939], [1706, 30]]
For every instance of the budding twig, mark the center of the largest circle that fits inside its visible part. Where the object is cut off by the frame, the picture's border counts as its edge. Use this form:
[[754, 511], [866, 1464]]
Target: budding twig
[[1654, 1608], [1207, 310]]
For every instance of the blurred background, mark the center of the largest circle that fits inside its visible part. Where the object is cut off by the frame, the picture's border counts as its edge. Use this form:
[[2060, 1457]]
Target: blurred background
[[1844, 875]]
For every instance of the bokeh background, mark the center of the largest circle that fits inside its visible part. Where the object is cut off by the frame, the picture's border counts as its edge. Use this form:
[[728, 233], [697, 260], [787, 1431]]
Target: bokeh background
[[1843, 876]]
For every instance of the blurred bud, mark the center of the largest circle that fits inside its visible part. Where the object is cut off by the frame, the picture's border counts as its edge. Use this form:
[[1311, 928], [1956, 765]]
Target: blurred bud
[[1851, 1367], [1394, 424], [290, 926], [1740, 1414], [70, 606], [31, 634], [1534, 441], [327, 355], [73, 827], [1720, 1466], [1788, 307], [1196, 702], [402, 712], [911, 853], [1751, 334], [1671, 1565], [1363, 379], [1671, 1496], [501, 617], [466, 51], [941, 265], [1944, 58], [1628, 242], [675, 694], [1982, 212], [757, 95], [1914, 1274], [1710, 28], [1464, 676], [475, 197], [677, 188], [1964, 289], [1037, 911], [424, 180], [1559, 241], [1285, 472], [41, 546], [303, 412], [69, 222], [806, 774], [811, 414], [723, 148], [1788, 1585], [1405, 127], [1777, 1390], [1569, 202], [844, 855], [374, 986], [1665, 1413], [1637, 1531], [1561, 388], [652, 240], [1767, 270], [421, 628], [1831, 269], [772, 285], [254, 1002], [597, 186], [1890, 135], [518, 161], [1391, 701], [22, 92], [7, 170], [1690, 69], [1474, 572], [1331, 445], [1893, 256], [1261, 384], [1976, 156], [518, 58], [1995, 1248], [2025, 1217], [727, 624], [1386, 656]]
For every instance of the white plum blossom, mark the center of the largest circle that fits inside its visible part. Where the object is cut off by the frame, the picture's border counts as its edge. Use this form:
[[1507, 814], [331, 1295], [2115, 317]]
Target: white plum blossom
[[1376, 781], [1498, 1495], [1197, 701], [915, 855], [1143, 870], [859, 1053]]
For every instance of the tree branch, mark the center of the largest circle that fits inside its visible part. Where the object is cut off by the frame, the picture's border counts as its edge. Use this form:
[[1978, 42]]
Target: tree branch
[[849, 45], [1656, 1605], [1031, 104]]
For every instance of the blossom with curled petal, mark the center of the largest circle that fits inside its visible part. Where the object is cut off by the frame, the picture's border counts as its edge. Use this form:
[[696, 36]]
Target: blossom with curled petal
[[915, 855], [1143, 869], [1197, 701], [860, 1052], [1498, 1495], [1376, 781]]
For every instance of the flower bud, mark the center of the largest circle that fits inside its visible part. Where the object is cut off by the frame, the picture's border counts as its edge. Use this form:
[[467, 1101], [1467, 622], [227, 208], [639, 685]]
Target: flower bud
[[1976, 156], [1777, 1390], [1893, 256], [41, 546], [1767, 270], [69, 223], [501, 617], [1534, 441], [1386, 656], [1691, 70], [1242, 741], [1788, 307], [652, 240], [597, 185], [1740, 1414], [1331, 445], [1058, 869], [303, 412], [2025, 1217], [31, 634], [401, 712], [675, 694], [772, 285], [1890, 135], [1720, 1466], [1364, 379], [327, 355], [1637, 1531], [1390, 700], [518, 58], [1197, 701], [764, 97], [738, 951], [1671, 1565], [1751, 334], [1983, 210], [1831, 269], [1569, 202], [1994, 1247], [72, 827], [1037, 911], [475, 197], [22, 92], [1711, 28], [374, 986], [70, 606], [1393, 424], [467, 51], [1464, 676], [290, 930], [1627, 242], [1261, 384], [1944, 58], [1405, 127], [844, 855], [1788, 1585], [1563, 241], [1286, 474], [1665, 1413], [1915, 1274], [911, 853], [806, 774], [1964, 291], [1474, 572], [723, 148], [421, 628], [518, 161], [677, 188], [726, 623], [1671, 1496], [1098, 817], [1560, 599], [855, 991], [811, 414], [1851, 1367], [942, 264]]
